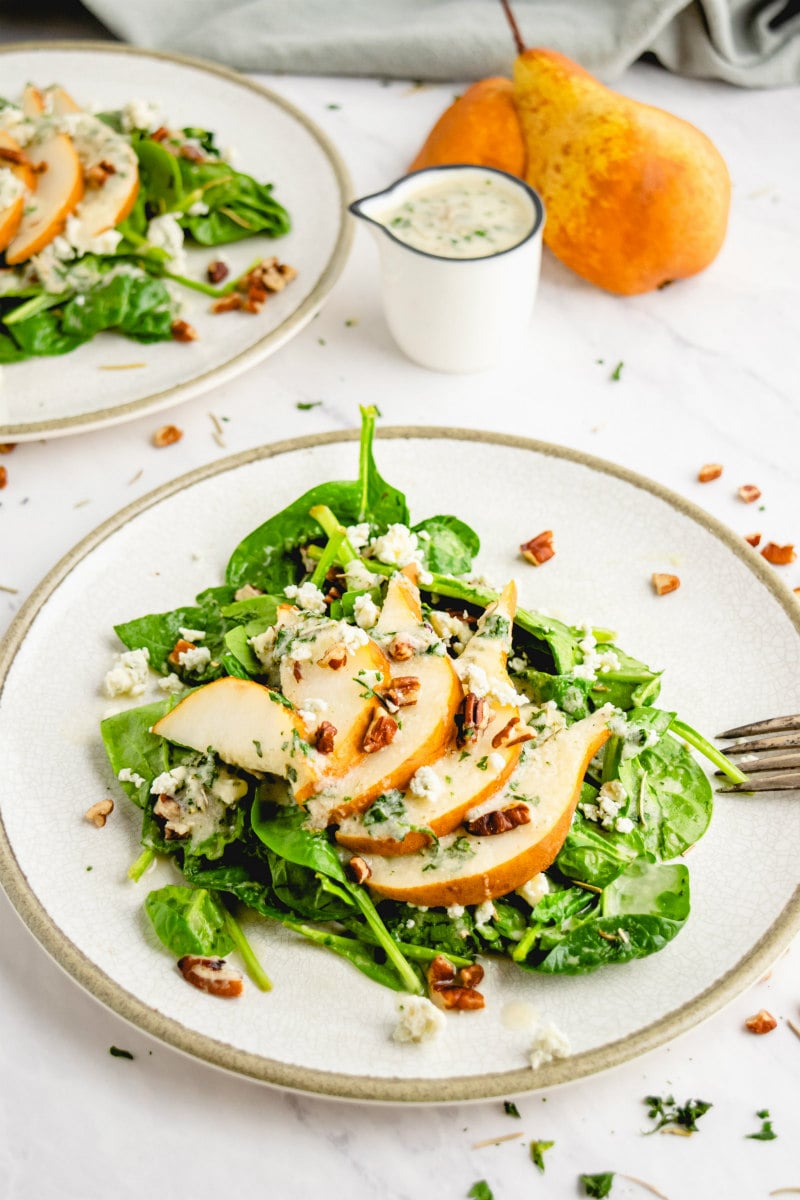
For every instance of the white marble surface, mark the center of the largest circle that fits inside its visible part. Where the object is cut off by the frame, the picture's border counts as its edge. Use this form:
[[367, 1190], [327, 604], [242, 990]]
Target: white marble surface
[[709, 375]]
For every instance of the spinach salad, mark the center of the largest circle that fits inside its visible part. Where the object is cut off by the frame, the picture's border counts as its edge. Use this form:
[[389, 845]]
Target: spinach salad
[[95, 210], [261, 807]]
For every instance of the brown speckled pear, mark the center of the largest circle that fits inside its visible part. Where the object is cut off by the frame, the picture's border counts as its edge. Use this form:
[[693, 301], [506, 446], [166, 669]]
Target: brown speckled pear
[[635, 197], [480, 127]]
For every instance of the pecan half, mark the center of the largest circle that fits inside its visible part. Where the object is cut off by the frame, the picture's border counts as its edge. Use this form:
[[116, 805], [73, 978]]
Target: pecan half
[[98, 812], [217, 271], [211, 975], [227, 303], [451, 989], [401, 648], [404, 691], [97, 175], [500, 820], [359, 870], [752, 539], [335, 657], [507, 736], [159, 135], [471, 719], [324, 739], [381, 732], [3, 477], [748, 492], [167, 807], [470, 976], [12, 155], [180, 647], [662, 584], [708, 472], [441, 970], [539, 549], [182, 331], [167, 435], [762, 1022], [297, 671], [779, 556]]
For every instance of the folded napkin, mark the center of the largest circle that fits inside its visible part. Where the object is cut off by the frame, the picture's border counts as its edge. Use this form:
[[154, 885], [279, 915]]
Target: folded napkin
[[754, 43]]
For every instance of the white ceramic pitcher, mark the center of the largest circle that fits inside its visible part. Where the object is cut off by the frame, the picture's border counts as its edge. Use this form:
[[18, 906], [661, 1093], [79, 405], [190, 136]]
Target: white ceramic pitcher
[[455, 314]]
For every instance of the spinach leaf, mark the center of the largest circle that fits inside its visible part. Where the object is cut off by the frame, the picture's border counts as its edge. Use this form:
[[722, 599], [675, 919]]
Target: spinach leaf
[[239, 206], [432, 928], [450, 545], [188, 921], [670, 793], [130, 745], [42, 335], [598, 1185], [159, 632], [160, 181], [282, 830], [308, 893], [660, 889], [594, 855]]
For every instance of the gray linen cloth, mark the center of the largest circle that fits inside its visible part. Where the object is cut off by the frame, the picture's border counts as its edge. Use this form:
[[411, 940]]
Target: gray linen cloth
[[753, 43]]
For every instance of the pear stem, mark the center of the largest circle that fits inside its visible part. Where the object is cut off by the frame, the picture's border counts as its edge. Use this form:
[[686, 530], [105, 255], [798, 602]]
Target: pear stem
[[512, 20]]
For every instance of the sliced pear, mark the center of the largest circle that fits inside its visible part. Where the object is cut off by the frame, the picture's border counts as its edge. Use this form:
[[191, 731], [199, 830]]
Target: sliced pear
[[486, 653], [246, 725], [110, 159], [58, 100], [11, 215], [58, 191], [463, 779], [401, 611], [33, 104], [466, 869], [346, 692]]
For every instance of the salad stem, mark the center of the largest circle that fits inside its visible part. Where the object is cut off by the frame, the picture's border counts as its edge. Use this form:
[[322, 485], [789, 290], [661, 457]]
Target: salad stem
[[208, 289], [526, 943], [704, 747], [368, 417], [330, 524], [328, 557], [407, 974], [246, 953], [137, 869], [36, 304]]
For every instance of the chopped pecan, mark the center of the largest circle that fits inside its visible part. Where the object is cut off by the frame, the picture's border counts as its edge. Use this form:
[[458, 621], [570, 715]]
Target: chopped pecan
[[193, 153], [3, 477], [381, 732], [159, 135], [404, 690], [211, 975], [297, 671], [167, 435], [749, 492], [762, 1022], [180, 647], [39, 168], [539, 549], [503, 737], [7, 447], [324, 739], [98, 812], [470, 976], [462, 998], [779, 556], [13, 155], [471, 719], [441, 970], [401, 648], [335, 657], [451, 989], [500, 820], [359, 870], [708, 472], [168, 808], [247, 592], [227, 303], [217, 271], [182, 331], [97, 175], [752, 539], [662, 584]]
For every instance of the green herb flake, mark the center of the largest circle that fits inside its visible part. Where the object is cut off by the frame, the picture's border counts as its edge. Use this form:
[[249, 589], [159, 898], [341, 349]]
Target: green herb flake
[[616, 374], [259, 750], [89, 868], [277, 698], [115, 1052], [598, 1185], [665, 1112], [464, 754], [480, 1191], [511, 1109], [537, 1153], [307, 405], [350, 322], [482, 763], [333, 107], [766, 1133], [322, 341]]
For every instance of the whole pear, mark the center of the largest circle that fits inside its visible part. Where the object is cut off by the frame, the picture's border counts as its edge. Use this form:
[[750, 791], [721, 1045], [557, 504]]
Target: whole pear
[[635, 196], [480, 127]]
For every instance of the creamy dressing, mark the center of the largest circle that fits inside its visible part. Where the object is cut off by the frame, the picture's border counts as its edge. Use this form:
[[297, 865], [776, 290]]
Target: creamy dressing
[[473, 218], [11, 188]]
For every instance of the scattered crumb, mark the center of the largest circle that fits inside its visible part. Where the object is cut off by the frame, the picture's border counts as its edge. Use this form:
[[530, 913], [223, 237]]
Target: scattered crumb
[[167, 435], [115, 1052], [134, 478], [748, 493], [3, 477], [11, 591], [120, 366], [495, 1141], [81, 503]]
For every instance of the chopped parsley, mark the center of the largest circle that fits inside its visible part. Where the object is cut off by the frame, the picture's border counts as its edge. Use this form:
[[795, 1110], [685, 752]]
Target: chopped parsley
[[766, 1133], [482, 763], [115, 1052], [537, 1153], [616, 374], [511, 1109], [480, 1191], [305, 405], [257, 745], [665, 1112], [598, 1185]]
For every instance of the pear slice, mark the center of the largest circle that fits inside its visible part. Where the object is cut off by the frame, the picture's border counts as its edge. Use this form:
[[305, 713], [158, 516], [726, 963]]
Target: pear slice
[[482, 664], [58, 100], [11, 215], [346, 689], [246, 725], [426, 727], [111, 170], [463, 779], [58, 192], [466, 869], [33, 104]]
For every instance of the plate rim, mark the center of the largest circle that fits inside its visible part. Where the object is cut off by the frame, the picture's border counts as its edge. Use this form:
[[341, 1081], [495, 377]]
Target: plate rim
[[266, 345], [333, 1084]]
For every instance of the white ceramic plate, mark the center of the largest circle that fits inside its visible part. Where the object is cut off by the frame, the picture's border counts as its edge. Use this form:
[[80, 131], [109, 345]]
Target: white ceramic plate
[[273, 141], [728, 640]]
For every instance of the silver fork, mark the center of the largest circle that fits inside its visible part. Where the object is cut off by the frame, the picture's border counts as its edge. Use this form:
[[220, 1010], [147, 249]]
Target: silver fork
[[768, 751]]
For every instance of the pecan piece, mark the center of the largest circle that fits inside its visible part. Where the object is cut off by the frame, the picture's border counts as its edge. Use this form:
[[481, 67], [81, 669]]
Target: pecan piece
[[401, 648], [167, 807], [748, 492], [762, 1022], [217, 271], [7, 447], [324, 739], [779, 556], [381, 732], [539, 549], [211, 975], [193, 153], [159, 135], [247, 592], [335, 657], [752, 539], [98, 812], [167, 435], [297, 671], [227, 303], [663, 584], [461, 998], [12, 155], [182, 331], [3, 477], [359, 870], [451, 989], [97, 175], [470, 976], [708, 472], [441, 970], [500, 820], [472, 718], [404, 690], [180, 647]]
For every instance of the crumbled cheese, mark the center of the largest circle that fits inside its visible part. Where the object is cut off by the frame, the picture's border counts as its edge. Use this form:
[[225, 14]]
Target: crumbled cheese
[[126, 775], [590, 811], [369, 679], [307, 596], [263, 644], [196, 659], [455, 911], [366, 612], [398, 546], [141, 114], [165, 233], [573, 700], [171, 684], [549, 1042], [198, 209], [517, 664], [128, 676], [473, 677], [624, 825], [426, 784], [594, 661], [84, 243], [419, 1020], [169, 783], [547, 720], [11, 188], [484, 913], [192, 635], [610, 800], [451, 628], [496, 761], [358, 535], [315, 706], [299, 652], [534, 889], [359, 579]]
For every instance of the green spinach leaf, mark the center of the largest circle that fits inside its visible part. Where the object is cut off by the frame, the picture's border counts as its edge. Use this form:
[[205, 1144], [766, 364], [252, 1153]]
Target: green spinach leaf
[[188, 921]]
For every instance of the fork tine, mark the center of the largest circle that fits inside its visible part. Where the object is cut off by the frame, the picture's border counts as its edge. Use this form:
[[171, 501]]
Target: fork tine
[[768, 762], [784, 741], [773, 725], [767, 781]]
